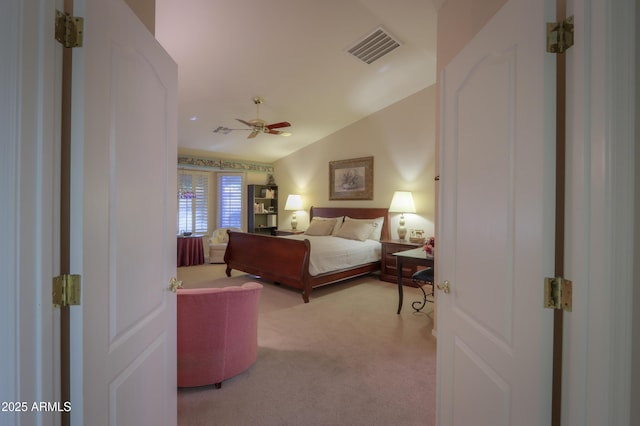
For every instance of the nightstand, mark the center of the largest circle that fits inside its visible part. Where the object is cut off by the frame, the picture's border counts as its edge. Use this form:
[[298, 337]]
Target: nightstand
[[281, 232], [388, 261]]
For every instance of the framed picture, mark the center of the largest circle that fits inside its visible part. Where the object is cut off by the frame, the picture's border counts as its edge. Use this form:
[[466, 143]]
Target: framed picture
[[417, 236], [351, 179]]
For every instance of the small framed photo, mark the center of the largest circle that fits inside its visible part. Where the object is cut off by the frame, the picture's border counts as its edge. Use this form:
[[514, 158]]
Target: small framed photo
[[417, 236]]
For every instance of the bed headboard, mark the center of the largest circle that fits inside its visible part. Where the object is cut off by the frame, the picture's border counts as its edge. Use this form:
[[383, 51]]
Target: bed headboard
[[356, 213]]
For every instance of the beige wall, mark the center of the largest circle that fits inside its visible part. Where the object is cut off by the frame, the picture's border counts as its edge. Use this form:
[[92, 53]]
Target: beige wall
[[401, 138]]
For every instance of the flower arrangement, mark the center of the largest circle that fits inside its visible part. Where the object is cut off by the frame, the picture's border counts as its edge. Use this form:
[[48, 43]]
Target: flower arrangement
[[429, 245]]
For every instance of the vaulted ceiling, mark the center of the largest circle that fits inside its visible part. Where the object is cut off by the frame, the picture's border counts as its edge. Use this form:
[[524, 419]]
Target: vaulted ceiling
[[295, 55]]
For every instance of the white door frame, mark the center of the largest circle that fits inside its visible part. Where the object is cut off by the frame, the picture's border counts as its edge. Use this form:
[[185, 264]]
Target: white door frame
[[29, 213], [600, 214]]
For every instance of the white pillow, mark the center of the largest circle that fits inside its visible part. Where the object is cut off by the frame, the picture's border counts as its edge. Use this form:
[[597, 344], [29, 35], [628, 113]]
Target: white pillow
[[360, 231], [336, 227], [320, 227], [376, 234]]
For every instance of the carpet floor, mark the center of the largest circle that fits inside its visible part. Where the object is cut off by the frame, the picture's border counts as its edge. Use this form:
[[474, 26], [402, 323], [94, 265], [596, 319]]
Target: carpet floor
[[345, 358]]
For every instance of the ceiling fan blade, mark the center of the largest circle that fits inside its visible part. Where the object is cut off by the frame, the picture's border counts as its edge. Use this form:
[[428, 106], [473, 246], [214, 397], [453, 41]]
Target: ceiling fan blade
[[225, 130], [277, 132], [246, 123], [222, 129], [253, 134], [278, 125]]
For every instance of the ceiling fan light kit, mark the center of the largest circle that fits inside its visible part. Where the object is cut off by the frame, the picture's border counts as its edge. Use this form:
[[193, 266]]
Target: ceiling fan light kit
[[257, 125]]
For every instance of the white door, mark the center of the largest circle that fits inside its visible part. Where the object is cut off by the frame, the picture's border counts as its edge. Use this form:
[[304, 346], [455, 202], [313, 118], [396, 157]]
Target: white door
[[124, 150], [496, 225]]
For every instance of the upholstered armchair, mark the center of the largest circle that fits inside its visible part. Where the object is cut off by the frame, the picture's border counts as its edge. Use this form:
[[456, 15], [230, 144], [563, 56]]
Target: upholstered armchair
[[218, 244], [217, 333]]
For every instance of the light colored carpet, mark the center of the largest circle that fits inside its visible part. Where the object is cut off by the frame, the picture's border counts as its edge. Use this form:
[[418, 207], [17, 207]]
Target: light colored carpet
[[345, 358]]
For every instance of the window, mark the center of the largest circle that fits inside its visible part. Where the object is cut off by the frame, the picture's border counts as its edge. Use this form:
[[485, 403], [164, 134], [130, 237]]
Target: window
[[230, 200], [193, 202]]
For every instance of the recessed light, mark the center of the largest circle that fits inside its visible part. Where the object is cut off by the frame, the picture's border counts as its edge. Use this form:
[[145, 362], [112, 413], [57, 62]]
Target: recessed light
[[193, 118]]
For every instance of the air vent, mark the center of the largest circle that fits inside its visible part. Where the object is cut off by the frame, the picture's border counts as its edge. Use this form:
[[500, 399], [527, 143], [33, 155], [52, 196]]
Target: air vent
[[374, 46]]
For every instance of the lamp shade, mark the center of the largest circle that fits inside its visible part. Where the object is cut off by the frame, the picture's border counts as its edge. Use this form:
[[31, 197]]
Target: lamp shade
[[294, 202], [402, 202]]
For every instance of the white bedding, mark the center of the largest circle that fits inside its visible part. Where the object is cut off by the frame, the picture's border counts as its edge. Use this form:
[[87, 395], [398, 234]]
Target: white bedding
[[329, 253]]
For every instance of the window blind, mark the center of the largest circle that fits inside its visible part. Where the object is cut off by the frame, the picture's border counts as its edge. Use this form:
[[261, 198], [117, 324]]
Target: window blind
[[193, 204], [185, 205], [230, 200], [201, 204]]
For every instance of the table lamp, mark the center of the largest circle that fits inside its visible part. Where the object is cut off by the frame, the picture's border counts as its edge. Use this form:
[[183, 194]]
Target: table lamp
[[294, 203], [402, 202]]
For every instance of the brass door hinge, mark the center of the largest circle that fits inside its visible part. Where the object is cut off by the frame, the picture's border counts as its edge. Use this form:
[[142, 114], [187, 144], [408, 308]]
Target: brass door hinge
[[560, 35], [69, 29], [558, 293], [66, 290]]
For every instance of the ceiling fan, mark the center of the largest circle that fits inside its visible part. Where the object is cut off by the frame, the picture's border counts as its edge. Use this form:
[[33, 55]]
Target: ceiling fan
[[257, 125]]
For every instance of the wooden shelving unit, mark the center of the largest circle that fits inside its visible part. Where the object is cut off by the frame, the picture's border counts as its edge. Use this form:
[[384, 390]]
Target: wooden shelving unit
[[262, 209]]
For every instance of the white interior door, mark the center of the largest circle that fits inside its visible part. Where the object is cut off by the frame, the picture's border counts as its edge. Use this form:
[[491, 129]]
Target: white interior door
[[496, 224], [124, 150]]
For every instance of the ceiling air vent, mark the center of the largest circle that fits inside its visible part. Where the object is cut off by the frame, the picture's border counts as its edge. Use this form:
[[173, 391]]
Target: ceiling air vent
[[374, 46]]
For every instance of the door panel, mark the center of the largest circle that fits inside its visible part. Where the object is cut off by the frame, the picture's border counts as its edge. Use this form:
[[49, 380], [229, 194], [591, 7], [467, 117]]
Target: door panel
[[496, 229], [485, 194], [123, 221], [131, 227]]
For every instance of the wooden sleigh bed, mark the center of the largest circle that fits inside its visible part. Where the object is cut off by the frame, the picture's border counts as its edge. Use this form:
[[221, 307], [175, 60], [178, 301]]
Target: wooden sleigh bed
[[286, 261]]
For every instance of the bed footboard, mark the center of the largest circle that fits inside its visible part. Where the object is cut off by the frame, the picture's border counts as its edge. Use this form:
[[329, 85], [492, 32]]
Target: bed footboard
[[281, 260]]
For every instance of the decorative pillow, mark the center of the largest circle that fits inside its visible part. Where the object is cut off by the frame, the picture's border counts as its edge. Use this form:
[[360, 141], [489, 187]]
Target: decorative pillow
[[320, 227], [338, 224], [360, 231], [376, 234]]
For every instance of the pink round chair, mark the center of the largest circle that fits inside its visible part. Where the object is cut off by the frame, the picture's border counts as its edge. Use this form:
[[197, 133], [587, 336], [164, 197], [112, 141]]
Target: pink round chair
[[217, 332]]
